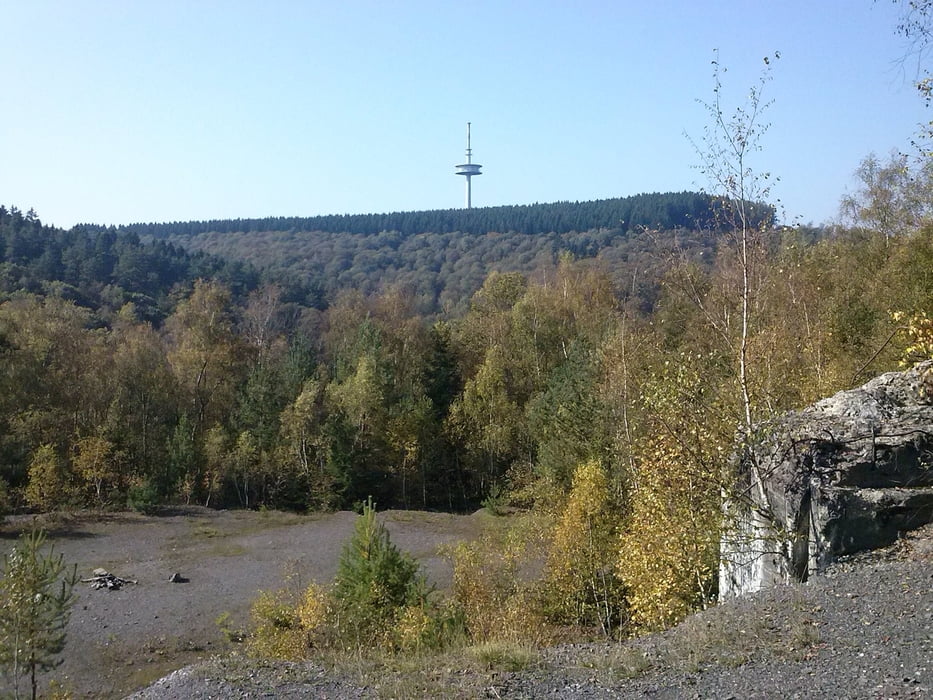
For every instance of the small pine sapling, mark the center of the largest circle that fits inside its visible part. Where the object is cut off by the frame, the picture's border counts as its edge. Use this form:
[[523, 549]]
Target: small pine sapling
[[36, 595], [375, 582]]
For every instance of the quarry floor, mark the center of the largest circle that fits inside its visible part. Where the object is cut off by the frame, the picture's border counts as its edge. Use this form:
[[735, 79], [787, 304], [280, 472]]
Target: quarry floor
[[121, 640]]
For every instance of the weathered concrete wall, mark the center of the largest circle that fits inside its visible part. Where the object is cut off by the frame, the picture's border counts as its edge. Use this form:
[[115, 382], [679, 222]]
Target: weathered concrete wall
[[845, 474]]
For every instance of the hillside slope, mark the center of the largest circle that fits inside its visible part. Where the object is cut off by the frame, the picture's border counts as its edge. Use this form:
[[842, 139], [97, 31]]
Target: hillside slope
[[443, 270], [443, 256]]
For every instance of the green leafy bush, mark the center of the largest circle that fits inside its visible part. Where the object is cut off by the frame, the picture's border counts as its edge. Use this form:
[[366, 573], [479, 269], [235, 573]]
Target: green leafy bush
[[496, 501]]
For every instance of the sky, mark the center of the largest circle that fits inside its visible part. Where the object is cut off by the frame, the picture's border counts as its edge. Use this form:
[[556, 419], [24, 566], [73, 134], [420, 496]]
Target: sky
[[124, 111]]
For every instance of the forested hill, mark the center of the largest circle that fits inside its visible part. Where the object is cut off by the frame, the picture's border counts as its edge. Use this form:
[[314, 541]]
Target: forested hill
[[663, 211], [442, 257], [103, 268]]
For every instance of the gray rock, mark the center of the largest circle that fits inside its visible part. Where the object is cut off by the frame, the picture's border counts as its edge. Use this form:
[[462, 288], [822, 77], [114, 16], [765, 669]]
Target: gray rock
[[849, 473]]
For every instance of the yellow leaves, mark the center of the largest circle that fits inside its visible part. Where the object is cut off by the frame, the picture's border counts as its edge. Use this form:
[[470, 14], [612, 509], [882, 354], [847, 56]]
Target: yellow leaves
[[95, 462], [277, 631], [47, 487], [205, 355], [300, 416], [919, 330], [491, 589], [580, 580], [486, 415], [583, 530], [360, 397], [484, 581], [286, 629], [668, 552], [92, 459], [414, 628], [589, 492], [314, 608]]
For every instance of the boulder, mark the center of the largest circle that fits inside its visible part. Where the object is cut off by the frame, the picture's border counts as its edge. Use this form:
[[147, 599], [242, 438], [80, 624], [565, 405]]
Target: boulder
[[849, 473]]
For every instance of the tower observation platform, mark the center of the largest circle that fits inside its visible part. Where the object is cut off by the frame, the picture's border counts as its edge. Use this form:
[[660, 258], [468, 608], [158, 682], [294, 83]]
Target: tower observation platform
[[469, 169]]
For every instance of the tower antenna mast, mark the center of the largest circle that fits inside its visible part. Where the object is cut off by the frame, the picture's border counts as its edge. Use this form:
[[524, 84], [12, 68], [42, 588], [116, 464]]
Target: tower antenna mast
[[469, 169]]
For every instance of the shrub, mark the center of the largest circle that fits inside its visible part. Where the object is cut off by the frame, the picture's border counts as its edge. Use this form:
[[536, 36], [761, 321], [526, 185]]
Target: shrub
[[379, 600], [669, 551], [496, 501], [314, 609], [414, 629], [286, 626], [668, 555], [277, 631], [495, 601]]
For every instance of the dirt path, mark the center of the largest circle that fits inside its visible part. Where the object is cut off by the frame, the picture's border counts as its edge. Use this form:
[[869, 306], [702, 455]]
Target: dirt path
[[121, 640]]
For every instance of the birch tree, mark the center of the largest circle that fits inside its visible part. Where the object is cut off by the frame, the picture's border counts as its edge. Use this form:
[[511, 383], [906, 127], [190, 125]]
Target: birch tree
[[730, 141]]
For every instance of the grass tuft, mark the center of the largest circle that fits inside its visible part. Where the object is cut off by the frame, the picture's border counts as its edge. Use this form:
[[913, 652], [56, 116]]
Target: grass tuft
[[503, 656]]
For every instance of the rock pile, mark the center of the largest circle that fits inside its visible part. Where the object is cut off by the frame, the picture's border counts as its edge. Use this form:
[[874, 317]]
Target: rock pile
[[104, 579]]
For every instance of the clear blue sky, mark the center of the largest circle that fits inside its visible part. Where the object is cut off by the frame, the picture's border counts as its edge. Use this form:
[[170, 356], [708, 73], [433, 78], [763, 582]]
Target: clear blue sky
[[119, 111]]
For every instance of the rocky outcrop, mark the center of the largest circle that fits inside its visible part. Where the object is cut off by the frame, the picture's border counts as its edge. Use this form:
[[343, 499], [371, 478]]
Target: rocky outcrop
[[848, 473]]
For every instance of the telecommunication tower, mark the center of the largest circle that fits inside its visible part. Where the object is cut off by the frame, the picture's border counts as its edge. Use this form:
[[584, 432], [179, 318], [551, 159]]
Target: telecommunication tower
[[469, 169]]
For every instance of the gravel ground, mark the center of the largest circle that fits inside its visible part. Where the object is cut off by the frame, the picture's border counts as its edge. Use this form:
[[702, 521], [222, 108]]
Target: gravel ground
[[862, 630]]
